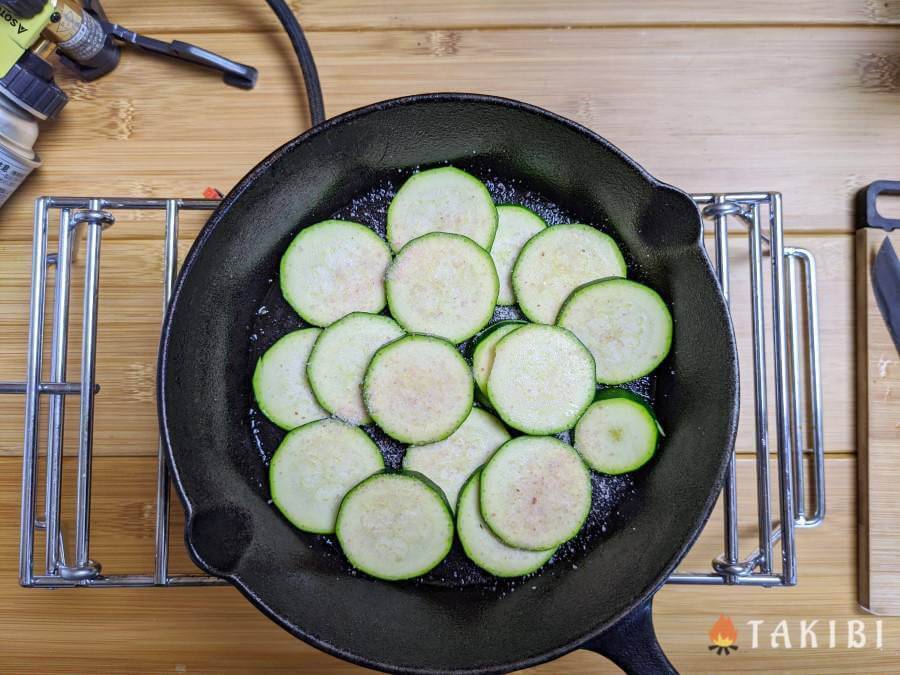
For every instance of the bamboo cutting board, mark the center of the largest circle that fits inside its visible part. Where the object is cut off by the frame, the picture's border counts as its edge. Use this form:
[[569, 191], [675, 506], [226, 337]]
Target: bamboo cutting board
[[878, 432]]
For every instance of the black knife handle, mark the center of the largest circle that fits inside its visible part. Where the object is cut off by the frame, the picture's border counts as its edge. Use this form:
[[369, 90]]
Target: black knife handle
[[867, 214]]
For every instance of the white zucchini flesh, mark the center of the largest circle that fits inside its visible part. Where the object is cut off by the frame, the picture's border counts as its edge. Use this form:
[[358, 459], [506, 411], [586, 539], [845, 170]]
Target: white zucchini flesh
[[279, 381], [515, 226], [442, 200], [450, 462], [483, 547], [542, 379], [333, 268], [315, 466], [556, 261], [418, 389], [395, 526], [617, 434], [339, 360], [442, 284], [535, 493], [483, 354], [626, 325]]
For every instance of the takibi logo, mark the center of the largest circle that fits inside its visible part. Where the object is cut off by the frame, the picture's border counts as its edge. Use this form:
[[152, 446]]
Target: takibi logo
[[723, 635]]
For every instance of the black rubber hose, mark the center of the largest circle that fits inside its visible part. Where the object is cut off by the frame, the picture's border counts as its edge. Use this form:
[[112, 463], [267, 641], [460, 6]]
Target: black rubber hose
[[304, 55]]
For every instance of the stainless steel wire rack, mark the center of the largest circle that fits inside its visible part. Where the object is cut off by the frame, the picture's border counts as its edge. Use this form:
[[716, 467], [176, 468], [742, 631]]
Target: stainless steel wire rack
[[793, 353]]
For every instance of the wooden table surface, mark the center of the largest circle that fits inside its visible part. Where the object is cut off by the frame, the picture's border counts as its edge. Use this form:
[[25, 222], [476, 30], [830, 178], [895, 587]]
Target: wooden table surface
[[801, 97]]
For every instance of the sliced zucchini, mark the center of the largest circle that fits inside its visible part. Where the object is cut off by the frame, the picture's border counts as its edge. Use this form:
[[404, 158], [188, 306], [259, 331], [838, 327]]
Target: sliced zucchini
[[451, 461], [395, 526], [542, 379], [535, 493], [418, 389], [333, 268], [314, 467], [442, 284], [483, 547], [515, 226], [339, 360], [618, 433], [442, 200], [556, 261], [626, 325], [279, 381], [483, 353]]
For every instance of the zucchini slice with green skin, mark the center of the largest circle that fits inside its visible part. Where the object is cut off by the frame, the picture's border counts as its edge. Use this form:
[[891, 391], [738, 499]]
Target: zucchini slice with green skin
[[442, 200], [333, 268], [515, 226], [483, 352], [556, 261], [418, 389], [535, 492], [483, 547], [451, 461], [279, 381], [395, 526], [542, 379], [314, 467], [339, 360], [442, 284], [618, 433], [626, 325]]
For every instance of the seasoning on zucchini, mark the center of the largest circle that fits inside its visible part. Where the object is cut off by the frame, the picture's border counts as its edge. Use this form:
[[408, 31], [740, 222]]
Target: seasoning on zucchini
[[626, 325], [333, 268], [418, 389], [279, 381], [395, 526], [314, 467], [442, 200], [558, 260], [339, 360]]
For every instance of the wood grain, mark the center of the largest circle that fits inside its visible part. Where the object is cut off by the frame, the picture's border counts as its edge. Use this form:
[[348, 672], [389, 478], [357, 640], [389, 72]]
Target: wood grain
[[130, 312], [316, 15], [878, 433], [217, 631], [705, 108]]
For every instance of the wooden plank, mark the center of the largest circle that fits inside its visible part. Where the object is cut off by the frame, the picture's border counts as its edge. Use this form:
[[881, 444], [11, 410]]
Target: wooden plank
[[316, 15], [670, 97], [130, 312], [215, 630], [878, 426]]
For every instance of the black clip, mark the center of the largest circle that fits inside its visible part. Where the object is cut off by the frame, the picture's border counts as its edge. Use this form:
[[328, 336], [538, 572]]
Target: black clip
[[866, 210]]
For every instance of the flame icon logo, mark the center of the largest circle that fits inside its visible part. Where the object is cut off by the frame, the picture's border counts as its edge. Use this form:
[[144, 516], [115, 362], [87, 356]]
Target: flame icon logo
[[723, 635]]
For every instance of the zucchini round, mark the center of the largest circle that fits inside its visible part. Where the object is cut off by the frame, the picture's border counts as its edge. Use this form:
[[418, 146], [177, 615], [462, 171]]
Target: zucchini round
[[535, 493], [314, 467], [451, 461], [483, 352], [618, 433], [442, 200], [556, 261], [442, 284], [418, 389], [395, 526], [339, 360], [333, 268], [483, 547], [626, 325], [542, 379], [515, 226], [279, 381]]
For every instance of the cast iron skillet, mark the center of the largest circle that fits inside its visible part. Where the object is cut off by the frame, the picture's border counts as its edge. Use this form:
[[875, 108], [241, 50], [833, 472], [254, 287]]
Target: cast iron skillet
[[598, 596]]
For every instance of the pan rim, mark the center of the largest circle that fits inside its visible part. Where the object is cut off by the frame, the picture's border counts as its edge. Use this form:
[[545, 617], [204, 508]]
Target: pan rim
[[212, 223]]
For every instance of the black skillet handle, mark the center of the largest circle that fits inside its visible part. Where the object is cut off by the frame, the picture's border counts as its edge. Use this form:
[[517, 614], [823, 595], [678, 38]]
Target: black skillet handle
[[632, 645], [866, 211]]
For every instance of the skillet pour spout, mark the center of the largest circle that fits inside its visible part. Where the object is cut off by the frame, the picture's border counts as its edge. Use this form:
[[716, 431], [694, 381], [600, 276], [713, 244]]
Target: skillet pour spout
[[599, 596]]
